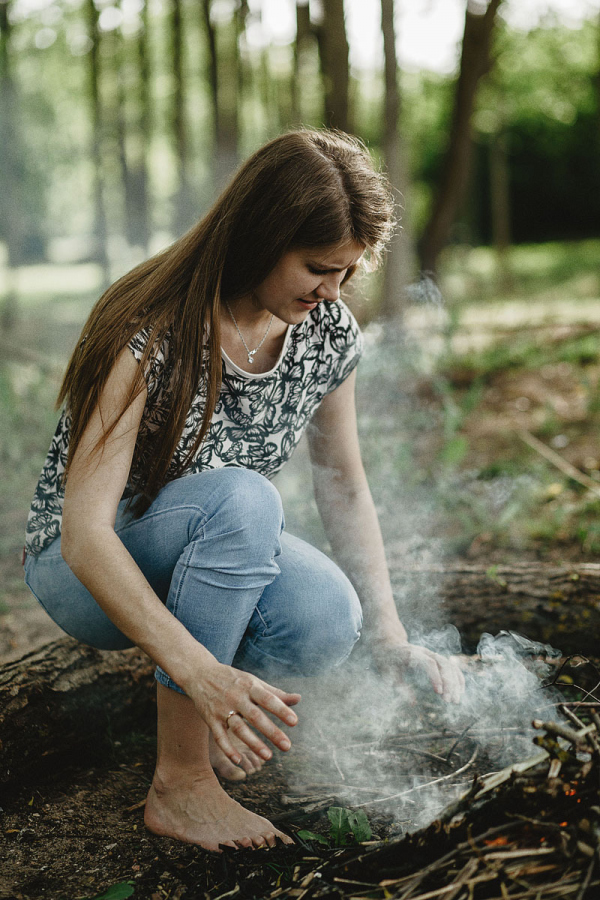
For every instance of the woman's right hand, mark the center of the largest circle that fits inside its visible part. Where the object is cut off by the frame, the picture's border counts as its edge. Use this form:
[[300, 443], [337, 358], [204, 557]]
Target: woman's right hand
[[222, 689]]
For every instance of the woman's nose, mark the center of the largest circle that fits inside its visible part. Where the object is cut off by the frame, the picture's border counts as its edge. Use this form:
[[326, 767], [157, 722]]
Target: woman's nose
[[329, 289]]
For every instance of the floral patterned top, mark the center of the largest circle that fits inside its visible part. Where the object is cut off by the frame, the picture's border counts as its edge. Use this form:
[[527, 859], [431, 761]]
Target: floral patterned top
[[257, 422]]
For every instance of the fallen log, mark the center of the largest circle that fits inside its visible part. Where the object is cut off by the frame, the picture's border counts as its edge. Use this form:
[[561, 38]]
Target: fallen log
[[557, 605], [63, 700], [59, 703]]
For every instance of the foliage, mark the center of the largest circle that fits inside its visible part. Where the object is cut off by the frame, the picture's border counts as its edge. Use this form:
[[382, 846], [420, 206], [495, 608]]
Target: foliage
[[117, 891], [542, 93], [345, 825]]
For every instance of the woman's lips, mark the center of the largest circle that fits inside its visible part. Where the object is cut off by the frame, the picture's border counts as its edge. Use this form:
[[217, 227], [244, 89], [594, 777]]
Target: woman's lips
[[308, 304]]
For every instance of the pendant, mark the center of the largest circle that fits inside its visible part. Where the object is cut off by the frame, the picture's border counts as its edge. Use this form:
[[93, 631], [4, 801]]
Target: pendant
[[251, 356]]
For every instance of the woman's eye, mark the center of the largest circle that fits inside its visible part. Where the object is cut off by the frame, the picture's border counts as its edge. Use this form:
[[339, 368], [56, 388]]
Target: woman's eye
[[315, 271]]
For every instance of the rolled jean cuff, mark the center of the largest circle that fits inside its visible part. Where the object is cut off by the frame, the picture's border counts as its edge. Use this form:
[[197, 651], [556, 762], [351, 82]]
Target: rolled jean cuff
[[166, 680]]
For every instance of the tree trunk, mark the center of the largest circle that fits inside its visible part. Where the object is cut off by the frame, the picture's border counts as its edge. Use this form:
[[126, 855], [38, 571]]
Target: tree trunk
[[399, 261], [136, 102], [558, 605], [334, 53], [100, 225], [223, 78], [304, 35], [185, 212], [60, 702], [12, 227], [475, 62], [57, 705]]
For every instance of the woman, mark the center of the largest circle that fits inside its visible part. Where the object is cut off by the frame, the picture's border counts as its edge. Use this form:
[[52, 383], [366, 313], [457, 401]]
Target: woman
[[196, 375]]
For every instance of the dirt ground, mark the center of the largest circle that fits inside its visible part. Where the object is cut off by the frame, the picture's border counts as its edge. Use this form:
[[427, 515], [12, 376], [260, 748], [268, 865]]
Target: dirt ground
[[74, 833]]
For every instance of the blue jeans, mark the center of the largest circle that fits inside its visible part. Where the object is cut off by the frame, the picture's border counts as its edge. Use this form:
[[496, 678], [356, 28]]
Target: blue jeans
[[213, 548]]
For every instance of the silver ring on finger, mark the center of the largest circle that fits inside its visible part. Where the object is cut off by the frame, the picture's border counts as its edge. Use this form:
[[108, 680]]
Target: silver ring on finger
[[233, 712]]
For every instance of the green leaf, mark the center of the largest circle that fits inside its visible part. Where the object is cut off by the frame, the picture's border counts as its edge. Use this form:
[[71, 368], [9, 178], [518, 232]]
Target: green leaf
[[311, 836], [117, 891], [340, 824], [455, 450], [359, 825]]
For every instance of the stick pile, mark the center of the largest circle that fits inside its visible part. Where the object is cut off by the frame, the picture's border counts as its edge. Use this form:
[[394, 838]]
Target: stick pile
[[529, 832]]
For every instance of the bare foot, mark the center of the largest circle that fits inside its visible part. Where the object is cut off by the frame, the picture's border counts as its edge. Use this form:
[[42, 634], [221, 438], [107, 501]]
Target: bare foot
[[200, 812], [223, 766]]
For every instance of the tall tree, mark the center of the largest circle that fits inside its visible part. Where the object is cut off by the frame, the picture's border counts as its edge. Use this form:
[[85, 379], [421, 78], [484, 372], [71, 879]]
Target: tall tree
[[475, 62], [224, 80], [184, 211], [11, 223], [399, 261], [139, 108], [304, 36], [334, 56], [100, 228]]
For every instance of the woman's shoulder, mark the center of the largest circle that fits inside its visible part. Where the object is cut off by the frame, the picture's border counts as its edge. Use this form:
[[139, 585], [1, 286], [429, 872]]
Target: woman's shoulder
[[336, 326], [156, 351]]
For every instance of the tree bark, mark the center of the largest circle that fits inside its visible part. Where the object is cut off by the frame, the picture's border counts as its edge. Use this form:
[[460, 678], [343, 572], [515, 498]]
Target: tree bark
[[475, 62], [557, 605], [399, 265], [58, 705], [334, 55]]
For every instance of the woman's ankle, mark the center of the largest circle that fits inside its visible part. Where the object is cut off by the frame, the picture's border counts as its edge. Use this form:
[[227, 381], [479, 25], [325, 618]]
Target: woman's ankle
[[168, 777]]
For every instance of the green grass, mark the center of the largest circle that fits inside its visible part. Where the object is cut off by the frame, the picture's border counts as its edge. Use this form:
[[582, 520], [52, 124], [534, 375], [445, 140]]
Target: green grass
[[534, 269]]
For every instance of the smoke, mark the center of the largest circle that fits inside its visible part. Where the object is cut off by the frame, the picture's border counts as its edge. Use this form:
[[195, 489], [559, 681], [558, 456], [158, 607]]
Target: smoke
[[392, 746], [371, 741]]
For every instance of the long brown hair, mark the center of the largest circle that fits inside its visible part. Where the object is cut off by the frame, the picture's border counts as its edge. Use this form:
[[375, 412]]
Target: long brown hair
[[306, 188]]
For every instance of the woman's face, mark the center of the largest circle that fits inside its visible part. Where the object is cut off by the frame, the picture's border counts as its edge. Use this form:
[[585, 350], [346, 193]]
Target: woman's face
[[304, 278]]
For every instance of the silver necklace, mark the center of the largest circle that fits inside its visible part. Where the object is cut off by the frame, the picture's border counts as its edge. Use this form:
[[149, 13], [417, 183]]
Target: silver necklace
[[251, 353]]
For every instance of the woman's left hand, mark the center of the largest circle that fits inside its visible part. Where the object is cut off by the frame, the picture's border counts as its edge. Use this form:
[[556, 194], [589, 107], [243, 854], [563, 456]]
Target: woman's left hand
[[399, 658]]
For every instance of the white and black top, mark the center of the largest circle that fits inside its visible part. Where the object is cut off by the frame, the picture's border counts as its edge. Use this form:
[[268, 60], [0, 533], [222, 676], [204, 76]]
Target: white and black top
[[257, 422]]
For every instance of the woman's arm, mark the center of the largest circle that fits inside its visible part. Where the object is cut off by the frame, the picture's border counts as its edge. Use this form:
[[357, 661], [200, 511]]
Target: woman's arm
[[350, 519], [92, 549]]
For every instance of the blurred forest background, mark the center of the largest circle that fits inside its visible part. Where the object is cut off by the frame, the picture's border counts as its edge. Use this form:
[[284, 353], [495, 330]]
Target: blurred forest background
[[120, 120]]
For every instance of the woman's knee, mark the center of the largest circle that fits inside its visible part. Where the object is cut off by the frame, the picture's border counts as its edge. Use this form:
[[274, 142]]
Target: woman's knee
[[307, 634], [235, 499], [330, 630]]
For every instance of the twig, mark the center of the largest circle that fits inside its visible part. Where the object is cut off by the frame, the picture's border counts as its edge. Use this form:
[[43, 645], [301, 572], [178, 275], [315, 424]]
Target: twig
[[595, 719], [587, 879], [332, 751], [457, 741], [518, 854], [465, 876], [574, 737], [557, 460], [570, 715], [420, 787]]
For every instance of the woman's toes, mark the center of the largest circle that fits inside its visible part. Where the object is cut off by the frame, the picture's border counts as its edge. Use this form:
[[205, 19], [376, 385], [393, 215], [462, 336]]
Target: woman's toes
[[226, 769]]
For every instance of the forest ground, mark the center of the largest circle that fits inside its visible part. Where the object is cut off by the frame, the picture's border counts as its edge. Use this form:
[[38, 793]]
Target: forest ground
[[442, 414]]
